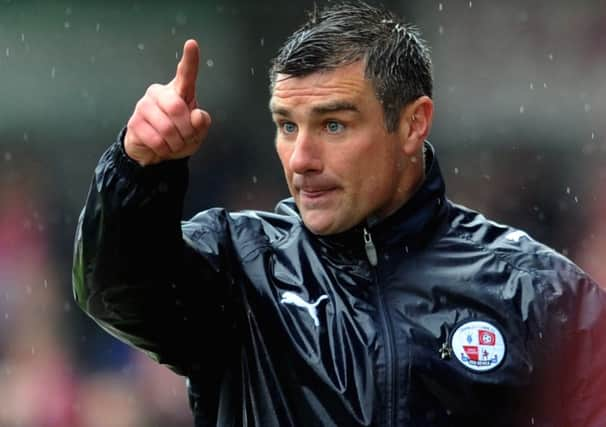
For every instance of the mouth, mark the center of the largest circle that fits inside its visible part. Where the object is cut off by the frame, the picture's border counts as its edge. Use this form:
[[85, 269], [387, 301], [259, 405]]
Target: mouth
[[314, 193], [314, 197]]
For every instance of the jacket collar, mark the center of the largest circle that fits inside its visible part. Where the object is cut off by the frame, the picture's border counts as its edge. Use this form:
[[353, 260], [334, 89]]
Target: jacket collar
[[412, 225]]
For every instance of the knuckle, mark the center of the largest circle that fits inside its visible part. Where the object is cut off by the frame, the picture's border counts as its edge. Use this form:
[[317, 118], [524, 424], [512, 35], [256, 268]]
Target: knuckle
[[134, 122], [153, 89], [153, 140], [166, 129], [174, 107], [156, 143], [178, 145], [142, 105]]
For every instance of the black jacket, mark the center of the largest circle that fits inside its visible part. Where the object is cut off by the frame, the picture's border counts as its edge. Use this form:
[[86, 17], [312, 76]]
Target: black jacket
[[274, 326]]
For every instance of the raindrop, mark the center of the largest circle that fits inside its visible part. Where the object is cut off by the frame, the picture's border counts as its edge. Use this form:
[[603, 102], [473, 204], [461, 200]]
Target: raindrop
[[470, 4], [45, 284], [6, 316], [33, 350], [67, 307], [181, 19], [262, 41], [23, 37], [545, 85], [456, 171], [8, 52], [53, 72], [540, 335], [252, 71], [28, 289], [8, 156], [550, 56], [210, 63], [440, 7], [176, 54], [522, 109], [592, 135], [587, 108], [68, 11], [98, 27], [531, 86], [441, 30], [141, 46], [173, 31], [567, 190], [532, 420], [67, 25], [254, 179], [25, 136], [406, 248], [576, 199]]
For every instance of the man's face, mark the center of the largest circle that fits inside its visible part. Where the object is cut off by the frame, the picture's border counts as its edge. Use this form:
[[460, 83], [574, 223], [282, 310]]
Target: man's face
[[341, 164]]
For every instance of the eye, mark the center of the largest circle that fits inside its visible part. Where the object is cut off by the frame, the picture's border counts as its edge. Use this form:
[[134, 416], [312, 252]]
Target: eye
[[332, 126], [288, 128]]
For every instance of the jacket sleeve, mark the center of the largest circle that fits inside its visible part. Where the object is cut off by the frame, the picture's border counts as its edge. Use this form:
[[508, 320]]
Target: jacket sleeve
[[575, 387], [137, 276], [585, 354]]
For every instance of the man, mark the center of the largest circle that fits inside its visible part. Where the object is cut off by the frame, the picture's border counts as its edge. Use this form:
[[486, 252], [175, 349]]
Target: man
[[366, 299]]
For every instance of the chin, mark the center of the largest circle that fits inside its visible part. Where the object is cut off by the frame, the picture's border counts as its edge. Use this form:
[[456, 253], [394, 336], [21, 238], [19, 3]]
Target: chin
[[320, 228], [323, 228], [318, 231]]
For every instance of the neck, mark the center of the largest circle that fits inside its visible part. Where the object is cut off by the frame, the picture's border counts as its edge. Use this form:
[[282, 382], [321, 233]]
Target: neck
[[413, 175]]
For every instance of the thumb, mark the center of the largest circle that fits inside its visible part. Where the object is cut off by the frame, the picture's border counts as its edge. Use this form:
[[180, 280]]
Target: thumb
[[200, 121]]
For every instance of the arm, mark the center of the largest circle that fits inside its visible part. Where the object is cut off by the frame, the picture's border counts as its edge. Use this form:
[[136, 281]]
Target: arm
[[584, 366], [573, 388], [133, 272]]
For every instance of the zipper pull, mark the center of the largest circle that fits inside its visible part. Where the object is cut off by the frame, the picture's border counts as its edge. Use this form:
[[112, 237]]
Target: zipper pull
[[369, 246], [446, 350]]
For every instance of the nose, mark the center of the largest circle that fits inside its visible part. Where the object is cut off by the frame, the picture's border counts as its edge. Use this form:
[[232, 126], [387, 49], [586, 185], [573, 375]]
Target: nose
[[307, 154]]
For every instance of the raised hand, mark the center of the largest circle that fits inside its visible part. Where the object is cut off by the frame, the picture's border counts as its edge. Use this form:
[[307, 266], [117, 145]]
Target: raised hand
[[167, 123]]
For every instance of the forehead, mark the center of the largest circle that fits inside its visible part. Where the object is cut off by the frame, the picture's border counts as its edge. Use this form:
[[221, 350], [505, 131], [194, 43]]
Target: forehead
[[343, 83]]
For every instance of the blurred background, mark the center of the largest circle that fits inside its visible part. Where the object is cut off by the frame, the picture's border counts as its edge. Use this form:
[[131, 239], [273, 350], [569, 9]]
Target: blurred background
[[520, 133]]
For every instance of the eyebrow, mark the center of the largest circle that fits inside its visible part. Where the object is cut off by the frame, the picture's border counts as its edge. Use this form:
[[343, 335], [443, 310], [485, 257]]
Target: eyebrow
[[330, 107]]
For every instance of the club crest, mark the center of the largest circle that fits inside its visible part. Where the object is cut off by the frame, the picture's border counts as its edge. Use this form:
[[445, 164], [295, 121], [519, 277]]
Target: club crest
[[478, 345]]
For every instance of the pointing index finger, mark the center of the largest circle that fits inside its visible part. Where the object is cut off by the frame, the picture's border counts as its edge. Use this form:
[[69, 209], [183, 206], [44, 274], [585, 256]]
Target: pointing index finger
[[187, 71]]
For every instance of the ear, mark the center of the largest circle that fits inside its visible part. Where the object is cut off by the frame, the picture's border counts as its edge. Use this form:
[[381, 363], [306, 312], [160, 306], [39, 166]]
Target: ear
[[415, 124]]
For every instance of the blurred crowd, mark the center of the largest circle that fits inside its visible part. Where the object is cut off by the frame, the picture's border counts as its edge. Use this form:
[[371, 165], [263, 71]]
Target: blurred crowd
[[56, 369], [534, 160]]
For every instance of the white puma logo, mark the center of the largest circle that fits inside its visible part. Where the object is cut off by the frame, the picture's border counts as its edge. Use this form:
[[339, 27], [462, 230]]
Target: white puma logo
[[294, 299]]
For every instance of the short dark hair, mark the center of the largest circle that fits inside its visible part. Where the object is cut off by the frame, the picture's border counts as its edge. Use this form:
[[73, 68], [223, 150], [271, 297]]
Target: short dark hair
[[397, 60]]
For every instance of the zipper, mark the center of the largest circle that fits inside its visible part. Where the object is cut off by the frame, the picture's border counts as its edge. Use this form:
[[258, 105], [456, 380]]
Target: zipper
[[371, 250], [390, 348]]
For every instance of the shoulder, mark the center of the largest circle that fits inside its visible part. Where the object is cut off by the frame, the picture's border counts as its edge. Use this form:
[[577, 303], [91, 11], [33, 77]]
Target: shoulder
[[516, 251], [247, 228]]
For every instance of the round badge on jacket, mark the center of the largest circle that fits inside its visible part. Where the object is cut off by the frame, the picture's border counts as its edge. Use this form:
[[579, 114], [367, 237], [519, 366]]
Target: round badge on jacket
[[478, 345]]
